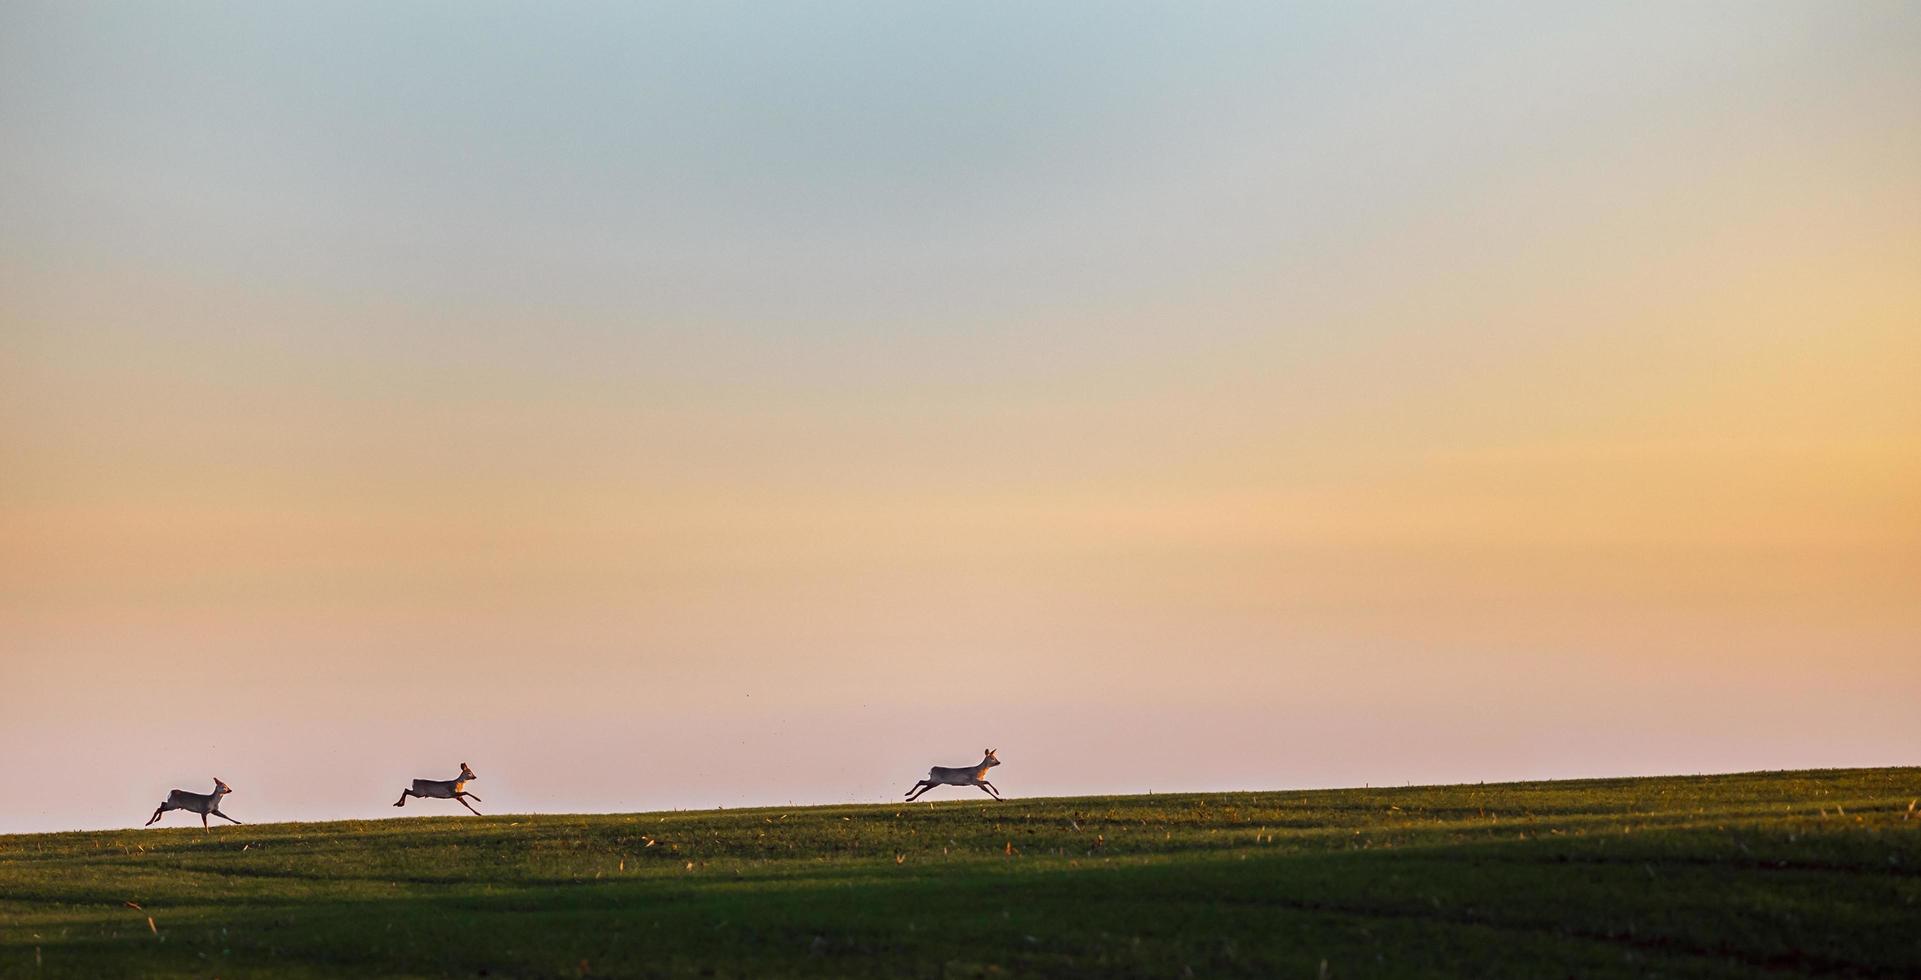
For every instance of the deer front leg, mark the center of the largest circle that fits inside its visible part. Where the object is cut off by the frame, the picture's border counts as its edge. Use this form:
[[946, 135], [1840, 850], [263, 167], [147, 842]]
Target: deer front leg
[[989, 792], [476, 799], [223, 816], [992, 788], [461, 799]]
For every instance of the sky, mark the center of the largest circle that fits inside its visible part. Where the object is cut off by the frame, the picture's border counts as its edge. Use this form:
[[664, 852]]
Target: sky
[[728, 405]]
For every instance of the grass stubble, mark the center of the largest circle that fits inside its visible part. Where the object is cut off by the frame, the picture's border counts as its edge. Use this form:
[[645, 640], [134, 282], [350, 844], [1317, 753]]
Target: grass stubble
[[1813, 873]]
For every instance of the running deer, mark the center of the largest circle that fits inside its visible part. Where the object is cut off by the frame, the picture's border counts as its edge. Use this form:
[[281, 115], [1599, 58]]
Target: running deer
[[958, 776], [201, 803], [443, 789]]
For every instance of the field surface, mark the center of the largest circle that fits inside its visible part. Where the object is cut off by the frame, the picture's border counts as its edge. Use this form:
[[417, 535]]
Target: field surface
[[1798, 873]]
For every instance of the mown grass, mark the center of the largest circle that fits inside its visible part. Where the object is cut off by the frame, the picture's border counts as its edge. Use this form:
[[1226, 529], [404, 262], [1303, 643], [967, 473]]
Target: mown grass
[[1814, 873]]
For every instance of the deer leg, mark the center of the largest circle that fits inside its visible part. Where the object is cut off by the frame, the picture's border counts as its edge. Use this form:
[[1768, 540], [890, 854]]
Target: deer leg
[[223, 816], [403, 797], [476, 799], [989, 792], [992, 788], [157, 811], [921, 787], [203, 823], [461, 799]]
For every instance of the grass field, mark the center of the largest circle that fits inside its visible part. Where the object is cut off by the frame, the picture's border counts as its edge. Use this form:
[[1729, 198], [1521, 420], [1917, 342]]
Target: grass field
[[1815, 873]]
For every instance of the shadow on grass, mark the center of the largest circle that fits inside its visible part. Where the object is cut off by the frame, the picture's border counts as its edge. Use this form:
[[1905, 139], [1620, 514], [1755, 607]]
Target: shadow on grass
[[1514, 908]]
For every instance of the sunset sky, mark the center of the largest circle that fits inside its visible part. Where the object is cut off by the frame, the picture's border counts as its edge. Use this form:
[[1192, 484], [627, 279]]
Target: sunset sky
[[747, 404]]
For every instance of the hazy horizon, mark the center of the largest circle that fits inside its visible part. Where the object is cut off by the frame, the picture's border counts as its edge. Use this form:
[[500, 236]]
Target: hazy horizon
[[687, 406]]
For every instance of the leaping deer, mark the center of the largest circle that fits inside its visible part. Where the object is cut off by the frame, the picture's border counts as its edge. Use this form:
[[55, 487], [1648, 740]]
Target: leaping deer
[[443, 789], [201, 803], [958, 776]]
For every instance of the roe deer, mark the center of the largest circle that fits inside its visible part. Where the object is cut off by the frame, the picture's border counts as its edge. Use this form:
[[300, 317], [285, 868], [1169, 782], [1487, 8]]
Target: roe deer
[[958, 776], [201, 803], [443, 789]]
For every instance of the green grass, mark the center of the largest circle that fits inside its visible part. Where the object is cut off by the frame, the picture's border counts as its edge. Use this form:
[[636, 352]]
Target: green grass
[[1814, 873]]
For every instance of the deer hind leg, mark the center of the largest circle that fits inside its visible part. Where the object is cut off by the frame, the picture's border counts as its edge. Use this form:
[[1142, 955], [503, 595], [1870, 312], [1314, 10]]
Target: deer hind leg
[[203, 823], [461, 798], [919, 788], [403, 797], [157, 811]]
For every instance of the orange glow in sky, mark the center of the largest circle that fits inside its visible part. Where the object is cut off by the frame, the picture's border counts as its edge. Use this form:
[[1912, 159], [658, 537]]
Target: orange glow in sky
[[700, 407]]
